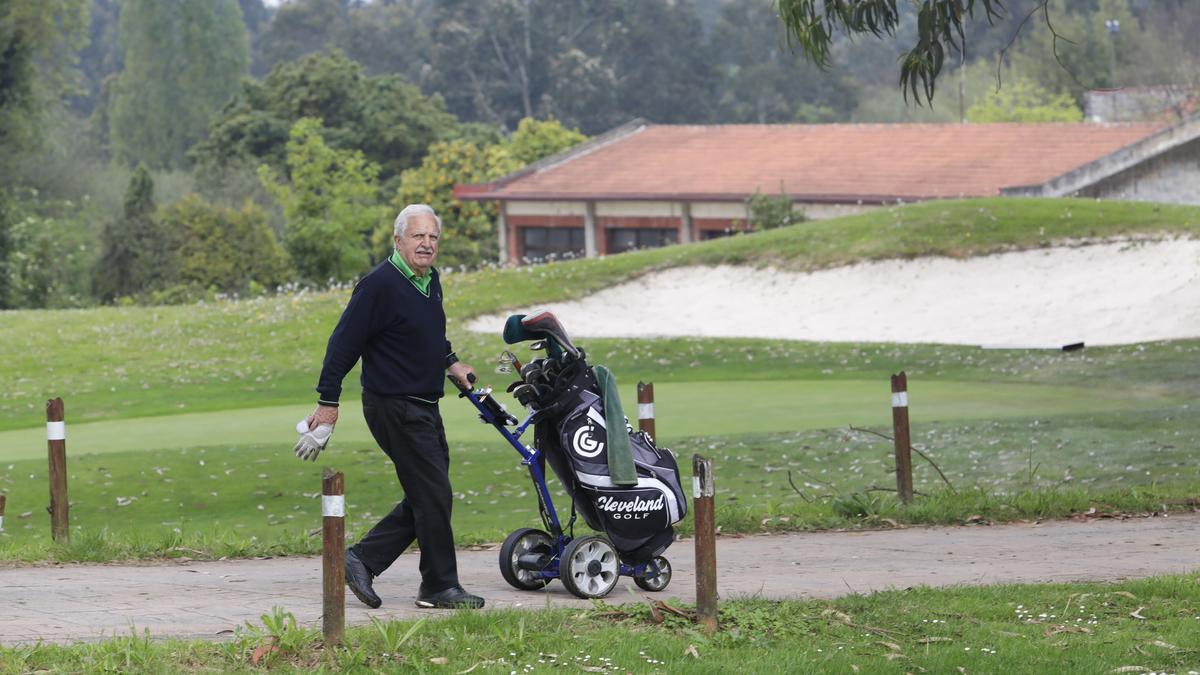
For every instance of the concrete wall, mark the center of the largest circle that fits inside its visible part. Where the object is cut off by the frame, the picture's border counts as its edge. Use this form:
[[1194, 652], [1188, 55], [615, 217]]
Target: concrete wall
[[1172, 177]]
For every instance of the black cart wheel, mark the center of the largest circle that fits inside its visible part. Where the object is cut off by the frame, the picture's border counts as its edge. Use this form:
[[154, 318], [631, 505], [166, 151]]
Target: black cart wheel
[[656, 576], [590, 567], [522, 555]]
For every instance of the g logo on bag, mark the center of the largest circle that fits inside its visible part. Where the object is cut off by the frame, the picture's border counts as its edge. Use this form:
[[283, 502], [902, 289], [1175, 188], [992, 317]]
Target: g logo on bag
[[583, 442]]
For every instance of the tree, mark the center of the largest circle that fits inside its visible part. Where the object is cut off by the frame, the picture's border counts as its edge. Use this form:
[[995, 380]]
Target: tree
[[761, 80], [1076, 52], [6, 250], [1022, 100], [38, 39], [329, 205], [590, 64], [768, 212], [300, 28], [135, 252], [182, 62], [225, 249], [469, 226], [388, 121]]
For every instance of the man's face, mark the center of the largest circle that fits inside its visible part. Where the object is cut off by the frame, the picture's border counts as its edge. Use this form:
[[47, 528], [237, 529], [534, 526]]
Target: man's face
[[418, 246]]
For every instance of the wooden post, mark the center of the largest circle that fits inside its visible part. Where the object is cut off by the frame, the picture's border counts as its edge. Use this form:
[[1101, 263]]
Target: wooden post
[[904, 482], [3, 498], [56, 441], [703, 489], [333, 557], [645, 391]]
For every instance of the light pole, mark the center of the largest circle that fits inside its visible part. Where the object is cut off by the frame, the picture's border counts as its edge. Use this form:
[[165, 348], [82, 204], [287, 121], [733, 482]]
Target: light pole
[[1114, 27]]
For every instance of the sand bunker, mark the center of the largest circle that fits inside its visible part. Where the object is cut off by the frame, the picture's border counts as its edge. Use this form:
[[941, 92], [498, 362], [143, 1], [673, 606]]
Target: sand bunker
[[1108, 293]]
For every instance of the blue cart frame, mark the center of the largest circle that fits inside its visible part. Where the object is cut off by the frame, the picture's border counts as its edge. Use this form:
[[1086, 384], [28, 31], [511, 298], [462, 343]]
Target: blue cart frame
[[493, 414]]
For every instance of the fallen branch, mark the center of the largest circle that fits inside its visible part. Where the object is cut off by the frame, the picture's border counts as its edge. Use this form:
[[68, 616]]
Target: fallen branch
[[936, 468], [876, 488], [910, 447], [798, 491]]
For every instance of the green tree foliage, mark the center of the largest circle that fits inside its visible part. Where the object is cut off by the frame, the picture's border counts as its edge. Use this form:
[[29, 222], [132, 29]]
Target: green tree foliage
[[50, 254], [100, 59], [224, 249], [591, 64], [762, 81], [469, 231], [388, 121], [6, 250], [182, 62], [302, 27], [1022, 100], [768, 212], [135, 251], [38, 39], [1076, 52], [330, 205]]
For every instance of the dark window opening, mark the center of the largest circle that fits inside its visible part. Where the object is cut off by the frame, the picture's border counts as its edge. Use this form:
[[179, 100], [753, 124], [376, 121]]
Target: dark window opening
[[551, 243], [628, 239], [705, 235]]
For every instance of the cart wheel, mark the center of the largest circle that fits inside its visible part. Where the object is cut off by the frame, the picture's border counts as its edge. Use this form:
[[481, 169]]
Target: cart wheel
[[524, 541], [590, 567], [649, 581]]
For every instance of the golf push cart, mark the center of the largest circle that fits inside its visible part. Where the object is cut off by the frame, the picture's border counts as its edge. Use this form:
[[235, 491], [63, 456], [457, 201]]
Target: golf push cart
[[618, 480]]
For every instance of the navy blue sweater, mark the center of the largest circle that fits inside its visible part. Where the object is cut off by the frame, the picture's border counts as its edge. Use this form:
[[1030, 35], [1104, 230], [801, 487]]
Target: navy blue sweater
[[399, 333]]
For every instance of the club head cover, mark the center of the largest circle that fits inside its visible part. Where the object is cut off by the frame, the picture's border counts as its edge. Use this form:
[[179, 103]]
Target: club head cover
[[547, 324], [515, 332]]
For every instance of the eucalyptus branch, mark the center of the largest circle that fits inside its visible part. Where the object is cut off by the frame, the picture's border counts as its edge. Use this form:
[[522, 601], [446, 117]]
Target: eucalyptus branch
[[1012, 40]]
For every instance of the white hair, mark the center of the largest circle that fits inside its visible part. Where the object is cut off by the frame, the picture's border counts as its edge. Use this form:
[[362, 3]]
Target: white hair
[[409, 211]]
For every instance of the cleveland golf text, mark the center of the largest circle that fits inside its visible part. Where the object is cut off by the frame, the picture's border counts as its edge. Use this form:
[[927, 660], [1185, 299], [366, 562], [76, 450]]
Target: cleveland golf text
[[629, 509]]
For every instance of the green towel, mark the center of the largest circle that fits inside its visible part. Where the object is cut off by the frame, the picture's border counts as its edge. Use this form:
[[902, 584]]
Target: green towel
[[620, 454]]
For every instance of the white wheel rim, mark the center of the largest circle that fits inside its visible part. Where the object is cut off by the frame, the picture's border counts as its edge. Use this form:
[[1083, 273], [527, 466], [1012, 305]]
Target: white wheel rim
[[594, 551], [664, 574]]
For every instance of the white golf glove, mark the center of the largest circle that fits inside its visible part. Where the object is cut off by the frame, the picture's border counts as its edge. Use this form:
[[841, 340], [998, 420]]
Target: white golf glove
[[312, 441]]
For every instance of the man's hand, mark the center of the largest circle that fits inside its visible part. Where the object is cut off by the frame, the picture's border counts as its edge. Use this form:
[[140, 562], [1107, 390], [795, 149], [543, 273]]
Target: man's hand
[[460, 371], [324, 414], [315, 432]]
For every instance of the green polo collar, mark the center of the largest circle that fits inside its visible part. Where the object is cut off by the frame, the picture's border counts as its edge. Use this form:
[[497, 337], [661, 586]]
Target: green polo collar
[[421, 283]]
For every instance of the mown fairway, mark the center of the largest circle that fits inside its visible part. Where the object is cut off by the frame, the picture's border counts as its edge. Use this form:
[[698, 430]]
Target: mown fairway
[[180, 418]]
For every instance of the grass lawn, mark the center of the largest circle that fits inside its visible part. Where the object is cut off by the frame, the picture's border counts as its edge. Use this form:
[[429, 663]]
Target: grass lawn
[[132, 362], [683, 409], [1140, 626], [257, 499], [183, 415]]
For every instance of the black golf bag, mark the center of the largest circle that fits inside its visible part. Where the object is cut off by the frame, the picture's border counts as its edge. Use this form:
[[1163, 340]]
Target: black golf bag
[[571, 430]]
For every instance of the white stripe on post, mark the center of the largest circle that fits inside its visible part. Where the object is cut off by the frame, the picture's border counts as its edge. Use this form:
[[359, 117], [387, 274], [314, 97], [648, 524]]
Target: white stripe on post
[[645, 411], [333, 506], [56, 431], [900, 399]]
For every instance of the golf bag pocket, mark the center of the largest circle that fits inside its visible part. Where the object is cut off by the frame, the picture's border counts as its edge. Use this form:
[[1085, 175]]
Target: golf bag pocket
[[631, 515]]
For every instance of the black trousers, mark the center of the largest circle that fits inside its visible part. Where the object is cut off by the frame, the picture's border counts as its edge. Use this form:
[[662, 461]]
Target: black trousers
[[412, 435]]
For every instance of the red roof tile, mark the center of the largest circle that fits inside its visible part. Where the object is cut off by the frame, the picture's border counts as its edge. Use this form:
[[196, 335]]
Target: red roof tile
[[824, 162]]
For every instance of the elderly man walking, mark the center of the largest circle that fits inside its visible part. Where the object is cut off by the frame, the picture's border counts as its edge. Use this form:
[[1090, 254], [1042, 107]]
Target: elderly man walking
[[395, 323]]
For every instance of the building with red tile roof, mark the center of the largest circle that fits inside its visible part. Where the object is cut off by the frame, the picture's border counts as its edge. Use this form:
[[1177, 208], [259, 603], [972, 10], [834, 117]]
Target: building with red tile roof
[[647, 184]]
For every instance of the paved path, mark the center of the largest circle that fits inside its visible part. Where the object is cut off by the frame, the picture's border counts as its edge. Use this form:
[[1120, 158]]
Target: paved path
[[209, 600]]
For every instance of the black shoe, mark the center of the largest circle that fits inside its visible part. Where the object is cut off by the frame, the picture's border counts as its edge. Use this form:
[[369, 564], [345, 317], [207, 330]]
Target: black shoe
[[451, 598], [359, 579]]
